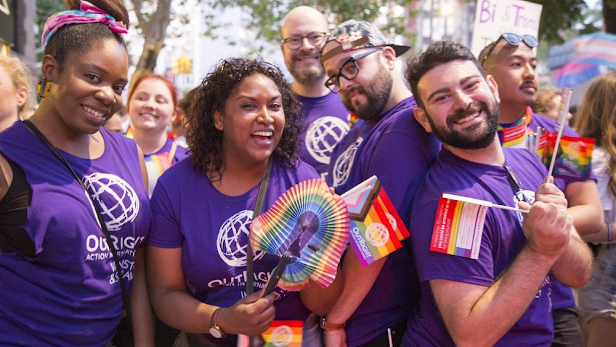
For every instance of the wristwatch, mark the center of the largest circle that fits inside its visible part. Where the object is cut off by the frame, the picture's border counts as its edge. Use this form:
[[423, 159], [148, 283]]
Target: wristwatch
[[330, 326], [215, 330]]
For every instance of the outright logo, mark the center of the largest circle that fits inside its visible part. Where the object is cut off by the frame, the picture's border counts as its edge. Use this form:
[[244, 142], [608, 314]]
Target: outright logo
[[232, 239], [116, 199], [322, 137], [342, 167]]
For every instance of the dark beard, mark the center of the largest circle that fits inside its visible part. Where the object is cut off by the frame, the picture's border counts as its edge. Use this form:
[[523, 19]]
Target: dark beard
[[377, 93], [462, 140]]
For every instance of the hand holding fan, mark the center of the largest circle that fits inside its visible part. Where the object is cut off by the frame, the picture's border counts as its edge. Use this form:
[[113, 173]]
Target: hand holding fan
[[309, 225]]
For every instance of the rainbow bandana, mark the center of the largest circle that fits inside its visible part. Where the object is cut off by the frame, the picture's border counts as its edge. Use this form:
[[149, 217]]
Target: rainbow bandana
[[88, 14], [515, 134]]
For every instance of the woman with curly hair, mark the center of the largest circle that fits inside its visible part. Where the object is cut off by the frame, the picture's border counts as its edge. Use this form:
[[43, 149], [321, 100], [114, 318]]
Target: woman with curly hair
[[596, 118], [243, 115]]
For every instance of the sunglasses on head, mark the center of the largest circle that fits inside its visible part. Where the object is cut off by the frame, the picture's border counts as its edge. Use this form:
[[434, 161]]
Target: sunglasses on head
[[512, 40]]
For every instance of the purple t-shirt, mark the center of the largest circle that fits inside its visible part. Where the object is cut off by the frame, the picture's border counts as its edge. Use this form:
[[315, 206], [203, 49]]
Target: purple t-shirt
[[327, 121], [159, 162], [562, 295], [69, 294], [212, 230], [398, 151], [502, 240]]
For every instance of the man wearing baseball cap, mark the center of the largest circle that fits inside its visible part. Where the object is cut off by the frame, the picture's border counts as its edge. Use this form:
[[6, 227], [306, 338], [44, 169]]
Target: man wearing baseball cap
[[387, 142]]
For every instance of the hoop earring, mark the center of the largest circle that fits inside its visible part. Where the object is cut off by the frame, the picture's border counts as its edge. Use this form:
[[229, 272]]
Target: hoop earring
[[42, 89]]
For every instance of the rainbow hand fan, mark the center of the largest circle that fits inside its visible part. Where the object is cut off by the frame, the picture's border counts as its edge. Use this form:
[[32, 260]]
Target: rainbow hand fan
[[309, 225]]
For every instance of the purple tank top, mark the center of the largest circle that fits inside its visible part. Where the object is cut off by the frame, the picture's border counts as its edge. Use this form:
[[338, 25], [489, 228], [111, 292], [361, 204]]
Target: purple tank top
[[68, 293]]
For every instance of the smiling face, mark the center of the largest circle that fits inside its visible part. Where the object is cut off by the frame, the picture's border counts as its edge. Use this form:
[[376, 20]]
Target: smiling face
[[12, 98], [367, 94], [151, 106], [87, 89], [304, 63], [514, 69], [252, 121], [460, 106]]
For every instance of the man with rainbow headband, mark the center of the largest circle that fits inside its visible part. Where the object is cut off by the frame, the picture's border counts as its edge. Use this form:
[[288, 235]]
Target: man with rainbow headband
[[512, 62]]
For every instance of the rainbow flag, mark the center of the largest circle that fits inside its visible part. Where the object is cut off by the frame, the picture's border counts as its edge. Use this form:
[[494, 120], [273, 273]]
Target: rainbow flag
[[283, 334], [458, 226], [574, 156], [376, 227]]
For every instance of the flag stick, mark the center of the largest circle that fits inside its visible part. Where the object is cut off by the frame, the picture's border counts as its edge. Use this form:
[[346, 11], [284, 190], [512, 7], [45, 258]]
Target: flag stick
[[560, 123]]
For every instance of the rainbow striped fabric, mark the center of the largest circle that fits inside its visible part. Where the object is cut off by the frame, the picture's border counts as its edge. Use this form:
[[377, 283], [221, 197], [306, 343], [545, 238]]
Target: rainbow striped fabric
[[592, 55], [311, 225], [458, 228], [376, 227]]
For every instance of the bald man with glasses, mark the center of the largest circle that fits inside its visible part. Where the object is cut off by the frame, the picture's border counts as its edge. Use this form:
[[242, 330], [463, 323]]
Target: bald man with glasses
[[303, 33]]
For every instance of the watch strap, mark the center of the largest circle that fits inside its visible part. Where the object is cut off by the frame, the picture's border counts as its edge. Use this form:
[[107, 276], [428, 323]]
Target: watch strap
[[213, 324], [330, 326]]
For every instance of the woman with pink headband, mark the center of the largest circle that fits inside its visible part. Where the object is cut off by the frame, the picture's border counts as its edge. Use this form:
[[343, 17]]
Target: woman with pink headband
[[74, 211]]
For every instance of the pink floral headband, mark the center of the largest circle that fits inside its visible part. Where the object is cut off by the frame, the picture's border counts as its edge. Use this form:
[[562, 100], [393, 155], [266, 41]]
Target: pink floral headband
[[88, 13]]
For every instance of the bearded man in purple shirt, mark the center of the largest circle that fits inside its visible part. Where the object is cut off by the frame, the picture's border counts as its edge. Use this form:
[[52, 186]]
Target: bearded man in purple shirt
[[502, 298], [389, 143], [304, 31]]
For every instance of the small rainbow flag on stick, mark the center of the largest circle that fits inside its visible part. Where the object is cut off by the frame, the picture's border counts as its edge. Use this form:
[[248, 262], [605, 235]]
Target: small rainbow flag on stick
[[281, 333], [376, 227], [458, 225]]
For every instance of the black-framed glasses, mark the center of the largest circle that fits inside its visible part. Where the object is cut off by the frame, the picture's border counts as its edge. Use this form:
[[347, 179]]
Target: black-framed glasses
[[348, 70], [295, 42], [516, 186], [513, 40]]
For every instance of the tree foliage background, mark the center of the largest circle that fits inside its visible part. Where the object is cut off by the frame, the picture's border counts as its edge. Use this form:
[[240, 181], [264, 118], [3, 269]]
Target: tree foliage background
[[154, 16]]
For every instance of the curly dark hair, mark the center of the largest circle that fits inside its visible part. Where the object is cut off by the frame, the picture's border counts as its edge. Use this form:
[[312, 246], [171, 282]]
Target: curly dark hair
[[437, 53], [80, 37], [205, 141]]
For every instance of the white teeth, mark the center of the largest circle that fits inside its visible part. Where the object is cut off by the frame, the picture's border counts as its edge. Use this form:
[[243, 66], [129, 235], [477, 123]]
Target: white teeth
[[466, 119], [263, 133], [94, 112]]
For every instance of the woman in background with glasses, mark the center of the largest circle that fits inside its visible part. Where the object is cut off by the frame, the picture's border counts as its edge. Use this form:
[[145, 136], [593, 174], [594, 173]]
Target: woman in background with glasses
[[597, 299], [243, 114]]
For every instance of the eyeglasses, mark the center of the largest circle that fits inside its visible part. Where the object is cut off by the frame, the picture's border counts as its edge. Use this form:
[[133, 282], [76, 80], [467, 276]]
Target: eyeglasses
[[513, 40], [349, 71], [295, 42]]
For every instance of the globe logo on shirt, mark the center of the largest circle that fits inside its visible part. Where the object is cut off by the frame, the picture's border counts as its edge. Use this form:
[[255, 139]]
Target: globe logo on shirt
[[322, 137], [342, 167], [117, 200], [377, 234], [232, 239], [282, 336], [522, 195]]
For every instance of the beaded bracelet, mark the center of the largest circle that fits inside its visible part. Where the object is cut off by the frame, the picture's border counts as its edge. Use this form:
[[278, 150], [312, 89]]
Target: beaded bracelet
[[610, 235]]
